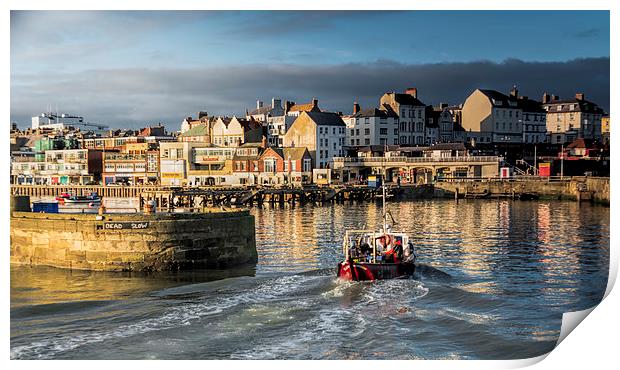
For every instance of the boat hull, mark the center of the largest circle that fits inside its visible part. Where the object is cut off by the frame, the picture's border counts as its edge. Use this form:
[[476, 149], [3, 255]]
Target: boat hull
[[361, 271]]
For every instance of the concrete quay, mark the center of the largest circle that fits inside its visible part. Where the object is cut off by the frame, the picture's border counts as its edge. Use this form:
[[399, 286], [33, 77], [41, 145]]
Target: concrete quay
[[134, 242], [595, 189]]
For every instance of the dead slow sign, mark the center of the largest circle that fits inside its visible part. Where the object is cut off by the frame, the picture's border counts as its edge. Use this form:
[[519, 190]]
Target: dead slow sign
[[125, 225]]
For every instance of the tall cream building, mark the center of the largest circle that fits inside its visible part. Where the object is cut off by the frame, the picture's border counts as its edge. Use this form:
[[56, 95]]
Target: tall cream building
[[493, 117]]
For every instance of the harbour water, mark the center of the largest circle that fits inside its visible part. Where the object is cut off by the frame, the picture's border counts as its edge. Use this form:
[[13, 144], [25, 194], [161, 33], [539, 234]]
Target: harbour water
[[495, 278]]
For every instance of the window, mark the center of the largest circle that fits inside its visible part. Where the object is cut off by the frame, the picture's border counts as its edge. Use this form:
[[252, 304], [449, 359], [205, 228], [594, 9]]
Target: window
[[383, 131], [366, 120], [307, 165], [352, 132], [396, 131], [367, 141], [366, 131], [286, 165]]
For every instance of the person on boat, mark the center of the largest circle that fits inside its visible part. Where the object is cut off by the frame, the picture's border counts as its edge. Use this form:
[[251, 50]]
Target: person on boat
[[409, 253], [394, 254]]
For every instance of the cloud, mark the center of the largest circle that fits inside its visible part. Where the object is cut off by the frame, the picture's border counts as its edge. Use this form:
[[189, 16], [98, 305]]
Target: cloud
[[136, 97], [589, 33]]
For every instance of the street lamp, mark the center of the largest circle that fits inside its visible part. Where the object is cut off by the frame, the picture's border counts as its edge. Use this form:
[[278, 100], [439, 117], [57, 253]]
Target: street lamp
[[289, 170]]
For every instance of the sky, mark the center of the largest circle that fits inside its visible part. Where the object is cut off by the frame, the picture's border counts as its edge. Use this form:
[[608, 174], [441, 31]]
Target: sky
[[137, 68]]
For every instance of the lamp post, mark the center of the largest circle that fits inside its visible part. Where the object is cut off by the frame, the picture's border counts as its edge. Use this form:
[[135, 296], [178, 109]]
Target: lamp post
[[289, 170], [562, 163]]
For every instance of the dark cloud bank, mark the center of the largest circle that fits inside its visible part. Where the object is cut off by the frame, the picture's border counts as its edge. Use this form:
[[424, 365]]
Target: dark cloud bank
[[136, 97]]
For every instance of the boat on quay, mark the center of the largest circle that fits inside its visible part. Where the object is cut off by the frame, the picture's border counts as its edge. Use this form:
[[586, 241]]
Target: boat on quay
[[92, 198], [372, 255]]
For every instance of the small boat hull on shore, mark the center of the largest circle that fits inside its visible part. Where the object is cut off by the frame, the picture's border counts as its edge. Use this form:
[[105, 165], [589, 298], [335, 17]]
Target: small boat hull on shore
[[362, 271]]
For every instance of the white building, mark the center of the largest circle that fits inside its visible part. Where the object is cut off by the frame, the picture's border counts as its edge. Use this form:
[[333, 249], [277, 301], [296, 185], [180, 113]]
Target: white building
[[534, 120], [371, 127], [63, 121]]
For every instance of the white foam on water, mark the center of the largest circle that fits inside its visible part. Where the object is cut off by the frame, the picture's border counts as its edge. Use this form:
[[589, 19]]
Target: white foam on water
[[182, 315]]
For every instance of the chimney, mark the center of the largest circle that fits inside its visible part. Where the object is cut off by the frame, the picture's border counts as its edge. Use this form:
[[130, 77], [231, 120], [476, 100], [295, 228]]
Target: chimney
[[288, 105], [356, 108], [554, 98], [443, 105], [202, 114], [514, 92], [413, 91], [276, 103], [259, 104], [315, 103], [545, 98], [580, 96], [263, 142]]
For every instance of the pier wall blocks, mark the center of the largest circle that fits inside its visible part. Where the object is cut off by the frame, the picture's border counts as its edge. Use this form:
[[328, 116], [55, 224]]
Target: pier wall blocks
[[598, 189], [171, 241]]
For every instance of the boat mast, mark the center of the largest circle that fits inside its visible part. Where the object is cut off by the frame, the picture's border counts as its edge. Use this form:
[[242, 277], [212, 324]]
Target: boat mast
[[383, 186]]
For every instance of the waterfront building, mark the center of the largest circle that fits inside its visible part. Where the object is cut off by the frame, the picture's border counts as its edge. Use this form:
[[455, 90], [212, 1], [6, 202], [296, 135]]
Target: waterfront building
[[263, 113], [135, 164], [232, 132], [442, 117], [571, 119], [245, 161], [295, 110], [605, 129], [279, 166], [492, 117], [189, 122], [63, 121], [411, 114], [322, 133], [72, 167], [371, 127], [198, 133], [533, 120]]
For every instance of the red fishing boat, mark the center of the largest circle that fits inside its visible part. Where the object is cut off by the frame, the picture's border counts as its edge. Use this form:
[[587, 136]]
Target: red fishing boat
[[372, 255]]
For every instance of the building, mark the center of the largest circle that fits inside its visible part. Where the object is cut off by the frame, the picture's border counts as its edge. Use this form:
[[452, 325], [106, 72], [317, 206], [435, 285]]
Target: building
[[295, 110], [411, 114], [440, 117], [605, 129], [572, 119], [533, 120], [245, 162], [232, 132], [72, 167], [189, 122], [371, 127], [491, 116], [280, 166], [322, 133], [263, 113], [200, 133], [135, 164], [65, 121]]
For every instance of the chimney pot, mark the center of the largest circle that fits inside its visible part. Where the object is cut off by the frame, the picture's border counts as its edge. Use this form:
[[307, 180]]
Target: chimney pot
[[356, 108], [259, 104], [545, 98], [315, 102], [413, 91]]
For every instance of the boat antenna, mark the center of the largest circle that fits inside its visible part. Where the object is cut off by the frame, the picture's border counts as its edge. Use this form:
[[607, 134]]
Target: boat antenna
[[383, 187]]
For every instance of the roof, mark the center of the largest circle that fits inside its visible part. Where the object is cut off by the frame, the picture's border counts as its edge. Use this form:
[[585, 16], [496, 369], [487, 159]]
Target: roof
[[377, 148], [583, 143], [198, 130], [262, 110], [326, 118], [295, 153], [374, 112], [447, 146], [304, 108], [529, 105], [407, 99], [581, 105], [500, 100], [249, 124]]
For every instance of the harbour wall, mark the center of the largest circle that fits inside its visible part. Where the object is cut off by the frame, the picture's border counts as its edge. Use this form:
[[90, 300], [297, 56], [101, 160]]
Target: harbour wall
[[133, 242], [595, 189]]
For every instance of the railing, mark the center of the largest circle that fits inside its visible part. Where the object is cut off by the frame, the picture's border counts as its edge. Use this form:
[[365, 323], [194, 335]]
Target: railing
[[416, 159]]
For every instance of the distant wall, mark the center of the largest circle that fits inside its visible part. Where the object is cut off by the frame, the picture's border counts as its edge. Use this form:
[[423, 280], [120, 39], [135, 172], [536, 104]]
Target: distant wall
[[578, 188], [167, 242]]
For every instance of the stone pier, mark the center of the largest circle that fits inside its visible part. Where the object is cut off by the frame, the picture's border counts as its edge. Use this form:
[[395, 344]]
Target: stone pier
[[134, 242]]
